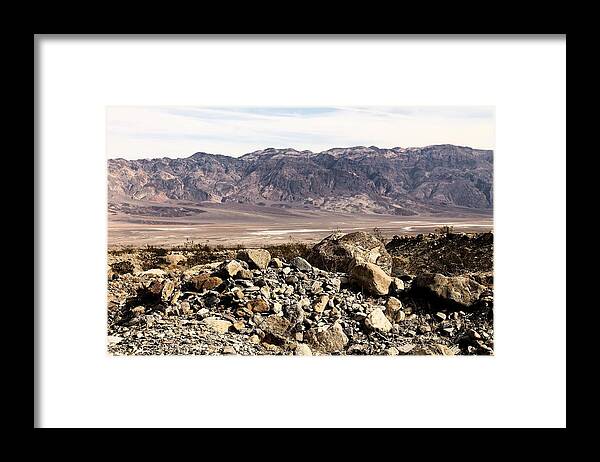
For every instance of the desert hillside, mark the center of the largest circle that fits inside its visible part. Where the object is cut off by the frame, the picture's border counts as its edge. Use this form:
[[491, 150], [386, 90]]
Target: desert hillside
[[349, 294]]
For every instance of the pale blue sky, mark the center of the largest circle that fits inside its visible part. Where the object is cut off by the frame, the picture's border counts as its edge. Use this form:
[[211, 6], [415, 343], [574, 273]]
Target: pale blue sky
[[135, 132]]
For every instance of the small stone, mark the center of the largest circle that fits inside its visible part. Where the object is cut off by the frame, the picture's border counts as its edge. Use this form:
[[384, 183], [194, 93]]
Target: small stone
[[291, 280], [356, 349], [202, 312], [287, 270], [473, 334], [320, 303], [211, 299], [185, 308], [258, 305], [392, 351], [205, 281], [277, 307], [244, 274], [377, 320], [239, 326], [265, 292], [138, 310], [154, 272], [316, 287], [397, 285], [393, 309], [407, 347], [238, 293], [441, 316], [302, 349], [276, 263], [254, 339], [272, 348], [335, 284], [113, 339], [229, 350], [424, 328], [231, 268], [301, 264], [167, 291], [218, 325], [448, 330], [299, 336]]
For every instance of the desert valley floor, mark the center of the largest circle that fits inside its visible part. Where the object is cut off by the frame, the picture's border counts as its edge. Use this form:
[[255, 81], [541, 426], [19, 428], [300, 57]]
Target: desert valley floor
[[250, 225]]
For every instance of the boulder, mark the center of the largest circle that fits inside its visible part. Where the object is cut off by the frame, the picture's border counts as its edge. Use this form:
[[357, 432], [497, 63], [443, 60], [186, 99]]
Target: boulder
[[376, 320], [301, 264], [205, 281], [230, 268], [370, 277], [276, 328], [393, 309], [257, 258], [331, 340], [337, 252], [219, 326], [460, 290]]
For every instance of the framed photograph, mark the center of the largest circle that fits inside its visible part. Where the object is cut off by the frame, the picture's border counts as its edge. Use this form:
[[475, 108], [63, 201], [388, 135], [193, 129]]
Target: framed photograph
[[251, 218]]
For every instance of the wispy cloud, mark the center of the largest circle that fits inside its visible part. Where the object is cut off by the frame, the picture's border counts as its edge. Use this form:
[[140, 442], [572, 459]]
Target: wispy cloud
[[138, 132]]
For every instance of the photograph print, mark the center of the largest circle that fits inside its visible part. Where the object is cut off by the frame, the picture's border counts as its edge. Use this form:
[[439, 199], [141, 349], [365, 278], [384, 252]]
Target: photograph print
[[300, 231]]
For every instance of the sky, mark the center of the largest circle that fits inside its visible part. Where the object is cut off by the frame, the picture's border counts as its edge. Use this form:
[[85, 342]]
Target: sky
[[137, 132]]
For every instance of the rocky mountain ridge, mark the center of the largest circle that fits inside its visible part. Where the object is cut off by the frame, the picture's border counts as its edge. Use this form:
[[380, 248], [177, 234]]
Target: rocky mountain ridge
[[397, 181]]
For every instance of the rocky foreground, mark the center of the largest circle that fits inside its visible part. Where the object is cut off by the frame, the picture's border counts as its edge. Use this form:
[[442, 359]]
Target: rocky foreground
[[348, 295]]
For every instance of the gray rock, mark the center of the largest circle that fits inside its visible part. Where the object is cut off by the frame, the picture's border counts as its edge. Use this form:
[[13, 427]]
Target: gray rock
[[257, 258], [337, 252], [302, 349], [218, 325], [330, 340], [458, 289], [276, 328], [301, 264], [370, 277], [376, 320]]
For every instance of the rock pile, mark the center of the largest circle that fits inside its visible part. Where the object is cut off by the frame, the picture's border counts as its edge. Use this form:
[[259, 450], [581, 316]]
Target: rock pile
[[254, 304]]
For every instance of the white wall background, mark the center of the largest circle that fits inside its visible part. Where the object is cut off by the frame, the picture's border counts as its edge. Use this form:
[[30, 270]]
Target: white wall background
[[523, 385]]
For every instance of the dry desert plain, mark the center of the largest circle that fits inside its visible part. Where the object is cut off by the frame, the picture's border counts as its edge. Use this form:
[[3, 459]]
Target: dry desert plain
[[251, 225]]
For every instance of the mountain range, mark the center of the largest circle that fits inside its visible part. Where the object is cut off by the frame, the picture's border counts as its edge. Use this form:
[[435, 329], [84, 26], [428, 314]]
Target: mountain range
[[395, 181]]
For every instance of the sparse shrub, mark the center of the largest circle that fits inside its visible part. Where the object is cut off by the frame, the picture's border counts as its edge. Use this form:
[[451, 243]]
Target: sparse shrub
[[122, 267], [289, 250]]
